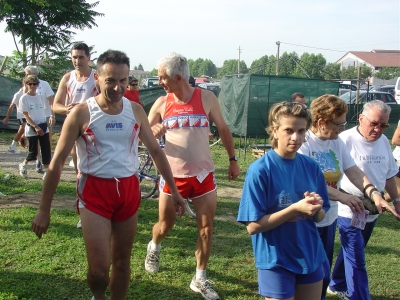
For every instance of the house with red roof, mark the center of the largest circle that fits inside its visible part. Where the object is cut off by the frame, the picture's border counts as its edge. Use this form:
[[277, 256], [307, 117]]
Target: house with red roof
[[374, 59]]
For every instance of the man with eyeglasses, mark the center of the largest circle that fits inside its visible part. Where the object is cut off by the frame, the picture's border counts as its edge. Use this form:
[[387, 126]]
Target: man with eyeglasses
[[298, 98], [371, 151], [132, 91]]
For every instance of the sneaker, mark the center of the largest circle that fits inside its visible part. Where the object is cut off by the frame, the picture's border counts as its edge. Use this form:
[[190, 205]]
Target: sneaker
[[39, 166], [22, 170], [151, 261], [71, 163], [79, 225], [12, 149], [342, 295], [204, 288]]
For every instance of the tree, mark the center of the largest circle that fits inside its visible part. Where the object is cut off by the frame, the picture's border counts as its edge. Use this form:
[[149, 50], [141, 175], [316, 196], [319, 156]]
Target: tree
[[352, 72], [387, 73], [42, 25], [230, 67], [153, 72], [207, 67], [332, 71], [259, 66], [140, 67], [310, 65], [287, 63]]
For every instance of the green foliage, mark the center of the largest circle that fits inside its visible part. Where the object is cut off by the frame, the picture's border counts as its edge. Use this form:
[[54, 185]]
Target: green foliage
[[200, 67], [140, 67], [43, 25], [287, 63], [230, 67], [352, 72], [310, 65], [14, 65], [153, 72], [332, 71], [387, 73]]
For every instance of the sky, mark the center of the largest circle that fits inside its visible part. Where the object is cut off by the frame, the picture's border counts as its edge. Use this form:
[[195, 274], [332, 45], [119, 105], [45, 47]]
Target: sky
[[216, 29]]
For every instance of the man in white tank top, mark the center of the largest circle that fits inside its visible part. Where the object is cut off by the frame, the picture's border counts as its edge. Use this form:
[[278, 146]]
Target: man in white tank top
[[183, 114], [109, 209]]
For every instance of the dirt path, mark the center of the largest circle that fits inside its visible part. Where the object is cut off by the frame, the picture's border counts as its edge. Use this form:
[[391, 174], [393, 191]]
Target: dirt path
[[9, 163]]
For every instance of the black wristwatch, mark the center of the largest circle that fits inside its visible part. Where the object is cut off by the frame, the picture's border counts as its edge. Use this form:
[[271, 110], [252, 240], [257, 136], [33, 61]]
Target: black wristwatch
[[233, 158]]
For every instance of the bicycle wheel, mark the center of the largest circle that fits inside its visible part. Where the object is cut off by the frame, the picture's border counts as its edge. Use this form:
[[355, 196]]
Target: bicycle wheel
[[148, 176], [190, 208]]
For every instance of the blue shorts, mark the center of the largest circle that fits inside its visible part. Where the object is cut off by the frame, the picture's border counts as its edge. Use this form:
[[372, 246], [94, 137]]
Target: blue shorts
[[281, 283]]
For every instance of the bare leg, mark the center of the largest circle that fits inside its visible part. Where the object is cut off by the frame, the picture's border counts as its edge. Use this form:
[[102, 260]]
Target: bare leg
[[97, 237], [20, 133], [122, 237], [205, 207], [74, 159], [311, 291], [166, 218]]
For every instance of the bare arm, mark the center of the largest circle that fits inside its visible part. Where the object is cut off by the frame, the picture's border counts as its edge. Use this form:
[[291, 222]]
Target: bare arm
[[223, 130], [391, 189], [155, 117], [72, 128], [10, 108], [58, 105], [311, 205], [396, 137]]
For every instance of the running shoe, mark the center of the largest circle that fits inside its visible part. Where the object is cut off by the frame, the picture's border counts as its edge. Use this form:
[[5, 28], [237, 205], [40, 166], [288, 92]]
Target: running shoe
[[203, 286], [79, 225], [342, 295], [22, 170], [151, 261], [39, 166], [12, 149]]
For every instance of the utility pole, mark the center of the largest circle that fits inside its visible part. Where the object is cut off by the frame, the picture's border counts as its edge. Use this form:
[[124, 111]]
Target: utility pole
[[277, 58], [239, 62]]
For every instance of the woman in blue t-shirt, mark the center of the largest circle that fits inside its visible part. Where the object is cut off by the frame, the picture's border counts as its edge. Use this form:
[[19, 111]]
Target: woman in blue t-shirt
[[284, 194]]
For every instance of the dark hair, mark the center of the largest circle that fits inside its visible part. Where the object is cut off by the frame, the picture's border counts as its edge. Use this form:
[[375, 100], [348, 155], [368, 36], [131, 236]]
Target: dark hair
[[81, 46], [132, 79], [286, 109], [295, 95], [112, 56]]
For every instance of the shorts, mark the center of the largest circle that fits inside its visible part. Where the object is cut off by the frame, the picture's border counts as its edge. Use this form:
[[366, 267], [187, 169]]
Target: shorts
[[281, 283], [21, 121], [191, 187], [116, 199]]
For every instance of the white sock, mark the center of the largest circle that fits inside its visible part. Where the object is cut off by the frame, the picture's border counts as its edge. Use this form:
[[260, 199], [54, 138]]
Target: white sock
[[200, 274], [13, 143], [156, 247]]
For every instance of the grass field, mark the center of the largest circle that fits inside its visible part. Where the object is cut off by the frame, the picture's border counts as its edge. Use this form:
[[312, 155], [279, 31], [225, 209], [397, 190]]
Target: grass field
[[55, 266]]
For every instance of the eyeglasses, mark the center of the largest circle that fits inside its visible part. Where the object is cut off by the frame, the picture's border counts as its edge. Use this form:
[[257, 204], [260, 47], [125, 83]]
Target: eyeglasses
[[32, 83], [383, 126], [133, 84], [340, 126]]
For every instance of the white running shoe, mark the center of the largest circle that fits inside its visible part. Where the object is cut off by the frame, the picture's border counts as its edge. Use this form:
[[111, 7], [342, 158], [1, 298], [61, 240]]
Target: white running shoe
[[79, 225], [22, 170], [342, 295], [151, 262], [71, 163], [12, 149], [203, 286]]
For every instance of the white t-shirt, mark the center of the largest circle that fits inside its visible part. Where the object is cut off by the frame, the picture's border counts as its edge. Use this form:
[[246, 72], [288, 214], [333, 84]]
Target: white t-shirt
[[15, 100], [45, 90], [375, 159], [333, 159], [34, 105]]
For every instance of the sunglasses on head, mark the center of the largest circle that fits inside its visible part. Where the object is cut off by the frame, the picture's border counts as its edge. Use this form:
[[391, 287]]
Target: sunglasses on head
[[32, 83], [133, 84], [293, 104]]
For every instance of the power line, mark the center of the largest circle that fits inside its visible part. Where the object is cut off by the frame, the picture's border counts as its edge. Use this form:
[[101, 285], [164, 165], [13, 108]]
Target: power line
[[313, 47]]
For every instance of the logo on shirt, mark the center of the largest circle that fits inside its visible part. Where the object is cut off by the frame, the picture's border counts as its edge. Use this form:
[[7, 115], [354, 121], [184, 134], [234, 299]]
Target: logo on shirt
[[81, 90], [114, 126], [191, 121]]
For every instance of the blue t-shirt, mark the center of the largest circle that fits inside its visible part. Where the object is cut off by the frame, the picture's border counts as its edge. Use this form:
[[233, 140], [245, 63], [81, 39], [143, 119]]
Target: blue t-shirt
[[273, 183]]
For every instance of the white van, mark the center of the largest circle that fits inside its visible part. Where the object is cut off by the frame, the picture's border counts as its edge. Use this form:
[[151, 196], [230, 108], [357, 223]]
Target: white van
[[397, 91]]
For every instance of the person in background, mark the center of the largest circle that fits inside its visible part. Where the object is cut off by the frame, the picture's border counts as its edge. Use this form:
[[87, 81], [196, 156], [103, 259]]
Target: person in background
[[45, 90], [107, 185], [396, 154], [298, 97], [32, 106], [132, 92], [280, 211], [192, 81], [324, 146], [183, 117], [20, 118], [371, 151]]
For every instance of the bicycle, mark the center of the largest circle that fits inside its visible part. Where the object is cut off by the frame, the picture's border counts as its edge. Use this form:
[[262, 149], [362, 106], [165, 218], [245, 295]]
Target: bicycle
[[149, 177]]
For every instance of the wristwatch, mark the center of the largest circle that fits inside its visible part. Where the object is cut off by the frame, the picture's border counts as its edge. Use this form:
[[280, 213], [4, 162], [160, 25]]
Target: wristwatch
[[233, 158]]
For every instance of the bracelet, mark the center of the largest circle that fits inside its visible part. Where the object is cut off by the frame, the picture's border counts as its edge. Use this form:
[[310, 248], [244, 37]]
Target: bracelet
[[374, 192], [366, 187], [396, 200]]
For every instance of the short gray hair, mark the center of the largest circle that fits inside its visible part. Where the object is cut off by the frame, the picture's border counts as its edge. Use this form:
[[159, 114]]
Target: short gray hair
[[174, 64], [378, 104], [32, 70]]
